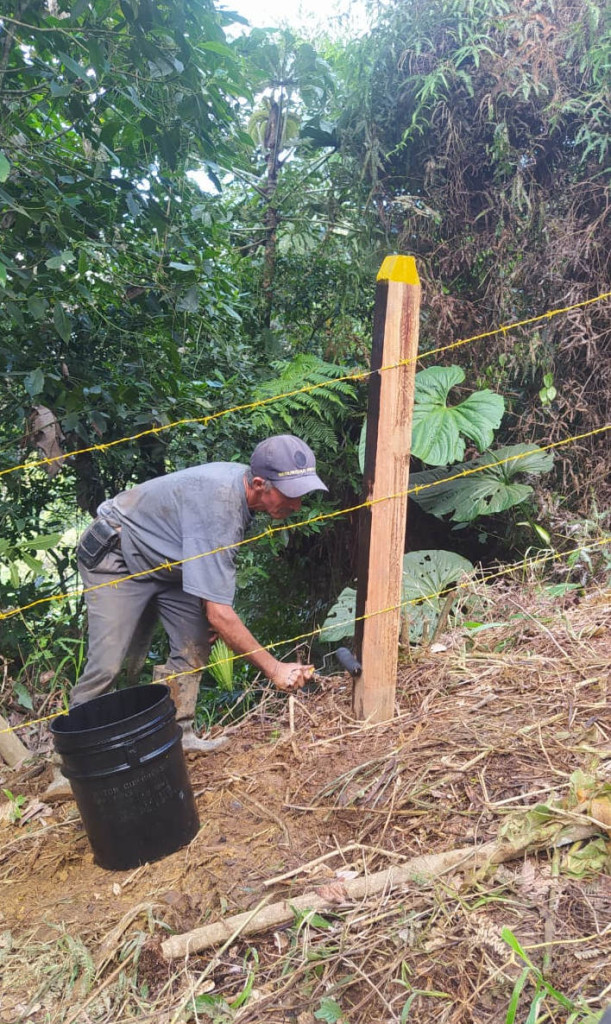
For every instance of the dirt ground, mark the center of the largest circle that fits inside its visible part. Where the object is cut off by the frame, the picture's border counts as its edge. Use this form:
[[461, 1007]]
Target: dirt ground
[[489, 725]]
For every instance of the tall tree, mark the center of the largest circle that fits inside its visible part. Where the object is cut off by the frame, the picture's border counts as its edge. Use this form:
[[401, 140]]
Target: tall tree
[[126, 303], [293, 84], [107, 251], [104, 108], [482, 130]]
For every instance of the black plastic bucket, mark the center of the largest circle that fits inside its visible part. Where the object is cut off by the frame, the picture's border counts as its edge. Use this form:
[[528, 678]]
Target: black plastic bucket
[[123, 757]]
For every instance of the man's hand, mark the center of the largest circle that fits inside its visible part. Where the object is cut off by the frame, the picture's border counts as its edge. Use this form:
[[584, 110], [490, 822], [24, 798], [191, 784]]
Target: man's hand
[[222, 619], [291, 675]]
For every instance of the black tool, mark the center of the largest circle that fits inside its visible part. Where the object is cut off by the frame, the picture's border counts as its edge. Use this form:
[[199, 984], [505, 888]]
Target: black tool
[[348, 661]]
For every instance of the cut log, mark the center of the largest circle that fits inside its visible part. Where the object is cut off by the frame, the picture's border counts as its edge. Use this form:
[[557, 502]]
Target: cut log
[[425, 867], [12, 750]]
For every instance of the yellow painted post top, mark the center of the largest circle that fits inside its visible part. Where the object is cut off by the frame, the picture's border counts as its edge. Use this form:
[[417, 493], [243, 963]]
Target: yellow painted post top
[[399, 268]]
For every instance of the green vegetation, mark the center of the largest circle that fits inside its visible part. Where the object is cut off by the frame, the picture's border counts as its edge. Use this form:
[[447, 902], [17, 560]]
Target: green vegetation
[[577, 1011], [193, 222], [16, 803]]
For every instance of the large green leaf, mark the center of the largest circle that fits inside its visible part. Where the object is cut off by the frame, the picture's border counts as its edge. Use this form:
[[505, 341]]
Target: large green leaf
[[5, 167], [61, 321], [34, 382], [340, 620], [427, 576], [426, 573], [439, 429], [330, 1011], [484, 492], [42, 543]]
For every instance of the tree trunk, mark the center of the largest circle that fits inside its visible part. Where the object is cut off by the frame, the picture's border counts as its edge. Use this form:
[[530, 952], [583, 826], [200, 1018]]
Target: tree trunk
[[89, 488], [273, 137]]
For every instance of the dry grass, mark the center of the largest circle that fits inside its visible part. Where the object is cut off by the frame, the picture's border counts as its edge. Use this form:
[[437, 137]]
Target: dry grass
[[492, 725]]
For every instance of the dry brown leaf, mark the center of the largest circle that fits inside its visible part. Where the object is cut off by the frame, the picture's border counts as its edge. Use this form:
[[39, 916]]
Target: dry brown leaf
[[601, 810], [35, 809], [46, 434], [334, 892], [534, 881]]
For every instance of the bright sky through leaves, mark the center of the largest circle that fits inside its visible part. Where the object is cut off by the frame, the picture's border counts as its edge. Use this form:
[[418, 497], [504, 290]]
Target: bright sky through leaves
[[327, 15]]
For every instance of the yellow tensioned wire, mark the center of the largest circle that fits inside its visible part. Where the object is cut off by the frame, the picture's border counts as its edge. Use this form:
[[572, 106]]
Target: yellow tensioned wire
[[358, 375], [270, 530], [484, 578], [524, 564]]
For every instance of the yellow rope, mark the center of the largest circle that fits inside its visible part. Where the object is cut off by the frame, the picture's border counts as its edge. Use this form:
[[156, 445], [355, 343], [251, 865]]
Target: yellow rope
[[395, 607], [359, 375], [269, 531], [523, 564], [34, 721]]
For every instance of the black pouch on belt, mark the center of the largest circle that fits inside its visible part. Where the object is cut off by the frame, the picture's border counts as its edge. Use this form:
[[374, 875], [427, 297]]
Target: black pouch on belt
[[97, 540]]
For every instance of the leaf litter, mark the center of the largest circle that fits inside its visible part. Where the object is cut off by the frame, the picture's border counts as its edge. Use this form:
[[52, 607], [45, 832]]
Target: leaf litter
[[501, 735]]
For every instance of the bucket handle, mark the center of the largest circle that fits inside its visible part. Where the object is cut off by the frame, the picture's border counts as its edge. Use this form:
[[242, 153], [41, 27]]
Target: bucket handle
[[131, 755]]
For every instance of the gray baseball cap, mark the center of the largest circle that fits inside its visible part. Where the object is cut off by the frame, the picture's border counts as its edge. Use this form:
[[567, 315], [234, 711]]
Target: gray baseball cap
[[289, 463]]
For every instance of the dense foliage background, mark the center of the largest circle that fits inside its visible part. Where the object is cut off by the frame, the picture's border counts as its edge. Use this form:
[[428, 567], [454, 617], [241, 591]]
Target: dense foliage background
[[192, 220]]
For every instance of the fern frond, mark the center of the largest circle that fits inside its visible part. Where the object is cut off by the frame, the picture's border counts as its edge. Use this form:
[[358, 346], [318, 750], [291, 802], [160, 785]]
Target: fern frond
[[314, 415]]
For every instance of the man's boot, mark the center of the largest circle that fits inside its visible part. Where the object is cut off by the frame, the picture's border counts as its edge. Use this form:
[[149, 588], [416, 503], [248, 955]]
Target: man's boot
[[184, 689], [59, 789]]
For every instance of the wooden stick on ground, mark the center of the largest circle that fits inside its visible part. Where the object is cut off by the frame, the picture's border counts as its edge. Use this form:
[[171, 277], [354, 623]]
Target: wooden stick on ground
[[303, 868], [427, 866], [12, 750]]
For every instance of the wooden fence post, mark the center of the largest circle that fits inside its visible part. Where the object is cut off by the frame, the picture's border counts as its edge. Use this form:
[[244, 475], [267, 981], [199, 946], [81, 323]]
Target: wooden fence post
[[382, 525]]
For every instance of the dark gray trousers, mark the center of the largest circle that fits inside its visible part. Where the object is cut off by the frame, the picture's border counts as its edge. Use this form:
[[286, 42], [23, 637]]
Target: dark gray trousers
[[121, 620]]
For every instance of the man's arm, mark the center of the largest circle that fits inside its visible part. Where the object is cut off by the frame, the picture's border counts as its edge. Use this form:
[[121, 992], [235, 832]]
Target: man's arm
[[229, 626]]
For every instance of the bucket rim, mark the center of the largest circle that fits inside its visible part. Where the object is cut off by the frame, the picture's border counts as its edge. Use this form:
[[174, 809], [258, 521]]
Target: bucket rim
[[59, 725]]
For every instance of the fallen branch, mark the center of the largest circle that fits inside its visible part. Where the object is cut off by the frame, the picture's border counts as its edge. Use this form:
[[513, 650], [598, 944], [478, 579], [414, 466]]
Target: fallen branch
[[427, 866], [340, 852]]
